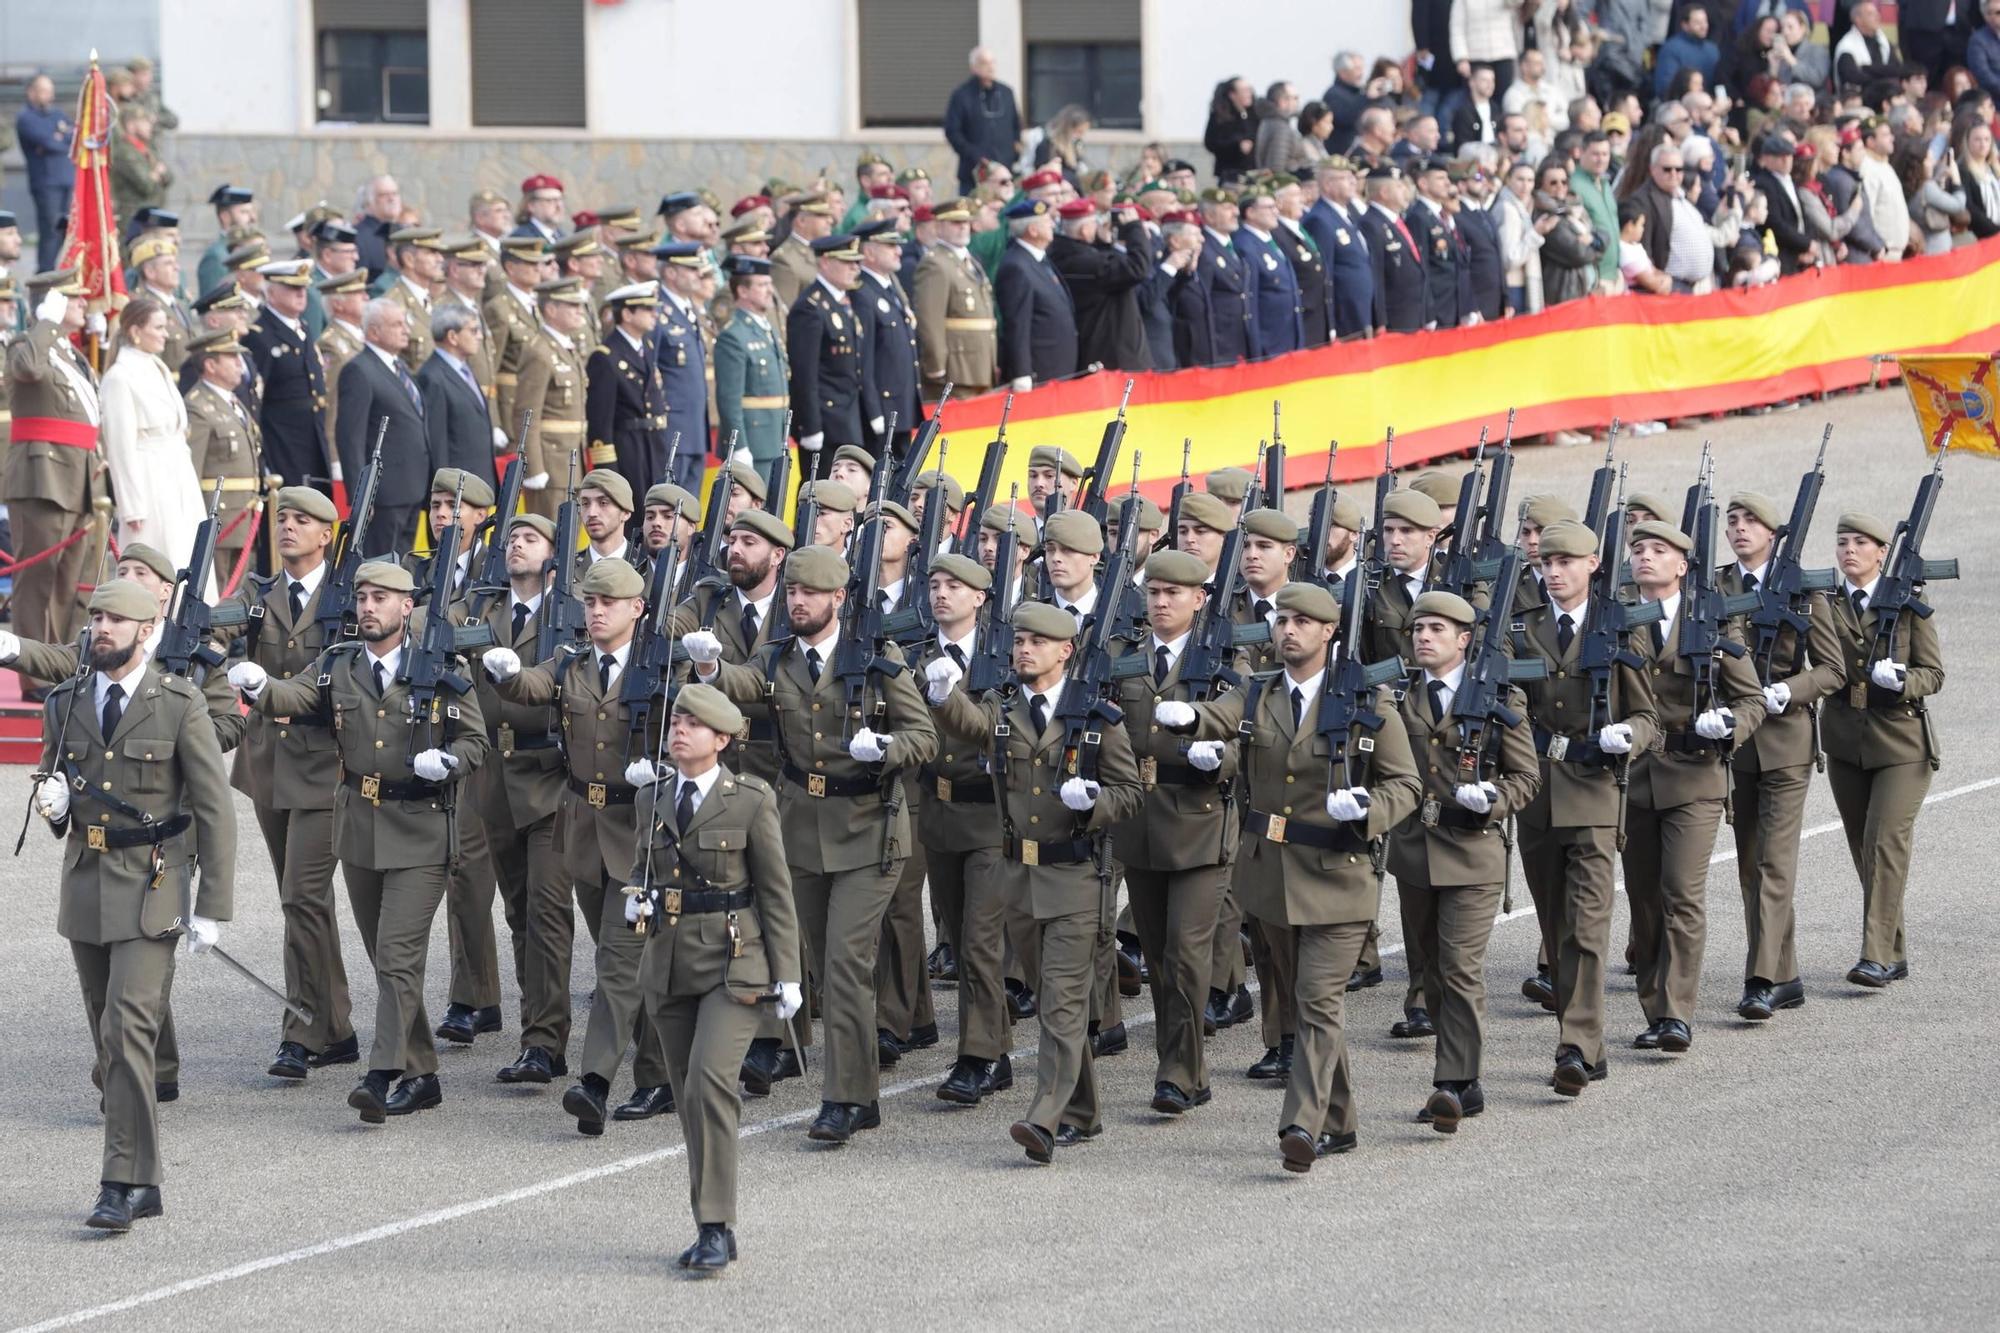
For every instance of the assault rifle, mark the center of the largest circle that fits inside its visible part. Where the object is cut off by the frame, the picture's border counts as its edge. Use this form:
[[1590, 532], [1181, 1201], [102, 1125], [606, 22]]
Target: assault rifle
[[336, 600], [915, 622], [648, 670], [911, 465], [184, 635], [1182, 489], [1607, 640], [491, 579], [993, 659], [988, 485], [560, 621], [1097, 478], [1319, 525], [1782, 601], [1704, 611], [1901, 585], [859, 657]]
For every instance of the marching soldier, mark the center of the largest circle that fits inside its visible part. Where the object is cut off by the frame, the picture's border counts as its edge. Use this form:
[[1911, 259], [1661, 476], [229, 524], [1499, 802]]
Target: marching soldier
[[394, 849], [1537, 512], [134, 877], [828, 355], [604, 506], [512, 317], [669, 516], [550, 381], [345, 297], [957, 337], [752, 377], [626, 407], [225, 443], [1270, 541], [420, 262], [295, 383]]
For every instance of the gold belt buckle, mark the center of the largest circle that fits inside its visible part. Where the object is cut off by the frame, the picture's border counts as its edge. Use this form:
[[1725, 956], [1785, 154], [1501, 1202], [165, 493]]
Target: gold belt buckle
[[1274, 827], [1031, 852], [371, 787], [94, 835], [1149, 771], [670, 902], [944, 789], [1432, 810], [596, 796], [1857, 694], [1558, 747], [815, 784], [506, 739]]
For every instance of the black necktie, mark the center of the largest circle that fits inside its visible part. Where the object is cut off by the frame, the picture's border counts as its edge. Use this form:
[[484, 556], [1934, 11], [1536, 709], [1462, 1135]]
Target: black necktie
[[1859, 600], [1161, 664], [957, 654], [520, 617], [604, 665], [883, 600], [1262, 608], [1038, 713], [1659, 635], [381, 680], [1298, 707], [812, 664], [1565, 631], [749, 624], [1749, 583], [298, 600], [1437, 700], [684, 807], [410, 387], [114, 708]]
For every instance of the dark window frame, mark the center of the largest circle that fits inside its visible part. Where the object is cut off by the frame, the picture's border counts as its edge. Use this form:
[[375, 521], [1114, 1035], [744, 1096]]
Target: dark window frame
[[331, 71], [1093, 78]]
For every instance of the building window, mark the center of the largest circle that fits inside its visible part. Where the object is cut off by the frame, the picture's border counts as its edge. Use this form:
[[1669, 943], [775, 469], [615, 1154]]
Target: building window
[[912, 56], [374, 62], [527, 64], [1083, 55]]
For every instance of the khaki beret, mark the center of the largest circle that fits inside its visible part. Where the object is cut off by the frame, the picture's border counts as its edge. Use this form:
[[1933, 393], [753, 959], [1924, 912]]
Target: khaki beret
[[1543, 510], [1866, 524], [963, 568], [1649, 502], [612, 484], [1566, 536], [1229, 483], [1273, 523], [1048, 455], [307, 501], [151, 557], [710, 707], [1447, 604], [999, 518], [1440, 486], [385, 574], [1051, 622], [749, 478], [1348, 513], [895, 511], [1661, 530], [1757, 506], [1074, 530], [1151, 517], [836, 496], [534, 523], [820, 568], [1309, 600], [124, 598], [612, 577], [768, 526], [1189, 571], [476, 492], [1414, 508], [1207, 510], [954, 494], [855, 454], [666, 495]]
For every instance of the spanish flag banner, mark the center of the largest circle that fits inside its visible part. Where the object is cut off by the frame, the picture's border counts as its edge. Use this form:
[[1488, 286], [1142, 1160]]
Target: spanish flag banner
[[1953, 397]]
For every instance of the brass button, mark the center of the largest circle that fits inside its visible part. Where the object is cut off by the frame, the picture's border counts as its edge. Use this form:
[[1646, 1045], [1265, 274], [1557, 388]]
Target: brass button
[[378, 745], [1288, 809], [1289, 779], [1035, 792], [1032, 819]]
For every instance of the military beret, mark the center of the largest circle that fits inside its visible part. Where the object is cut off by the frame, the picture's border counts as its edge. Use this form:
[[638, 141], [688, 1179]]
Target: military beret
[[1051, 622], [1216, 194], [1042, 179], [820, 568], [1566, 536], [869, 158], [1074, 530], [123, 597], [908, 174], [746, 266], [534, 523], [475, 492], [1335, 162], [1348, 513], [1440, 486], [151, 557], [1273, 523], [541, 181], [1150, 517], [1544, 510], [750, 479], [1414, 508], [385, 574], [837, 496], [893, 510], [343, 284], [965, 569], [216, 342], [1866, 524], [1000, 517], [1254, 194], [1450, 605], [766, 525], [423, 238], [1027, 208], [1309, 600], [610, 483], [954, 494], [1649, 502], [307, 501], [153, 247], [1072, 209], [1661, 530], [1049, 455], [481, 198], [710, 707], [1207, 510], [569, 290], [1229, 483], [664, 495], [612, 577], [855, 454], [840, 245], [748, 202], [228, 196], [1181, 567], [1759, 507]]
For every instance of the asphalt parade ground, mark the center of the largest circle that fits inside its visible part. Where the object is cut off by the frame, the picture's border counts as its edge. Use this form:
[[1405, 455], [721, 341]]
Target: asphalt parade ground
[[1837, 1166]]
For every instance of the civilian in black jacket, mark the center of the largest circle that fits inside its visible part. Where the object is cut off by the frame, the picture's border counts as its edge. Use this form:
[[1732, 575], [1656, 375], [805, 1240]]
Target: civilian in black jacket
[[1104, 281], [1477, 119], [1346, 97], [455, 413], [294, 381], [373, 386], [1232, 129], [981, 121], [1772, 175], [1037, 317], [1484, 270]]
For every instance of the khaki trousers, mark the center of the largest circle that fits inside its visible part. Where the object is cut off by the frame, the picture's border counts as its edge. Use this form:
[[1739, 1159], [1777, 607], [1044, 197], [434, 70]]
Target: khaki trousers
[[1274, 949], [902, 982], [1065, 1075], [1879, 808], [1417, 909], [394, 910], [986, 917], [705, 1038], [1666, 877], [1770, 815], [1319, 1097], [1226, 971], [301, 846], [1570, 877], [618, 1017], [468, 916], [124, 998], [841, 918], [541, 919], [1459, 925], [44, 605], [1174, 913]]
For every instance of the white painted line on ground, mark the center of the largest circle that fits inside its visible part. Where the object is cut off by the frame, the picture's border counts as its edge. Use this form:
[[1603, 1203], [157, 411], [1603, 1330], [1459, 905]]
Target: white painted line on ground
[[437, 1217]]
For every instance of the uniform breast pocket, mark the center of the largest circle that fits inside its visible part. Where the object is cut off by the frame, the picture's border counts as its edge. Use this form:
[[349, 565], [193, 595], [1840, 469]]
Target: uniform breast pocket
[[721, 856], [149, 763]]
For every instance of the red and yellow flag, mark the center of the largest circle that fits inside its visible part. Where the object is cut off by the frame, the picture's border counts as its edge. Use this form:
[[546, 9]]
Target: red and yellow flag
[[92, 245], [1953, 397]]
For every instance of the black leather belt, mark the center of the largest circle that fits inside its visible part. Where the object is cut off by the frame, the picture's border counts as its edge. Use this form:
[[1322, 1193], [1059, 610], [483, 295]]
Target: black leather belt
[[103, 838], [760, 729], [1153, 773], [957, 791], [1067, 852], [601, 794], [509, 741], [819, 784], [379, 789], [1278, 828], [1691, 742], [675, 902], [1571, 749], [1455, 816]]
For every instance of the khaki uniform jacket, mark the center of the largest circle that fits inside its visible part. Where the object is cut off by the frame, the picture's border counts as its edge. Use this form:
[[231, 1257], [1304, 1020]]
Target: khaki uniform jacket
[[373, 733], [756, 753], [954, 791], [336, 348], [287, 762], [420, 346], [36, 470], [549, 378], [1037, 767], [958, 338], [509, 324], [163, 759], [55, 662], [1663, 778], [792, 270], [1243, 611], [226, 445], [1575, 795], [1189, 818], [1386, 623], [1890, 728], [1459, 848], [523, 780], [1812, 668], [826, 835]]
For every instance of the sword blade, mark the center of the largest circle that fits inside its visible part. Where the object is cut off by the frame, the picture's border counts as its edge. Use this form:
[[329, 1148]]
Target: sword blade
[[304, 1014]]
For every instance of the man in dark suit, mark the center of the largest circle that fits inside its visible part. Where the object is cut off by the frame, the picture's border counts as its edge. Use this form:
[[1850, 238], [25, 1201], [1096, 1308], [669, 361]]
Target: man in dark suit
[[828, 355], [292, 418], [1273, 286], [1398, 266], [1037, 317], [1935, 34], [1309, 266], [1484, 270], [1773, 175], [456, 418], [1333, 221], [1187, 299], [890, 327], [1104, 280], [373, 386], [1156, 313], [1477, 119], [1232, 314], [1437, 242]]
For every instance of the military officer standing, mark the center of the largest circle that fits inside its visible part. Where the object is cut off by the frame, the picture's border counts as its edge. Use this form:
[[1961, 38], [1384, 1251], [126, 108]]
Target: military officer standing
[[225, 443], [156, 260], [420, 262], [828, 355], [345, 297], [795, 262], [626, 406], [550, 381], [752, 378], [887, 323], [579, 256], [1396, 267], [1308, 265], [295, 383], [682, 363], [512, 317], [957, 337], [235, 207], [1226, 281]]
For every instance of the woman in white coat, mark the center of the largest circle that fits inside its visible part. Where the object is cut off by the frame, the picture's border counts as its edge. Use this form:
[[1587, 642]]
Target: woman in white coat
[[143, 437]]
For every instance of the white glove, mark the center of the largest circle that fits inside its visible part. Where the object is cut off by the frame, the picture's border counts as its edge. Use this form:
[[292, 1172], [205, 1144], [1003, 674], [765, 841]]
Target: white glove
[[939, 677], [875, 425], [53, 307], [10, 645], [790, 1000], [1023, 384], [1174, 715], [501, 663], [202, 934], [1888, 674], [638, 906], [1478, 797], [811, 443], [538, 482], [1079, 794], [867, 747], [499, 440], [1347, 804], [247, 679], [743, 455], [1206, 755], [52, 798], [702, 647], [95, 325], [1715, 724], [641, 773], [1777, 697], [434, 765], [1615, 738]]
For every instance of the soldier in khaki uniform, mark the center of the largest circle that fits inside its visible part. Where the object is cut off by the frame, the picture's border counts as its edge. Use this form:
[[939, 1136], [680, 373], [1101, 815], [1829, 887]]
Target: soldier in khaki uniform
[[721, 935], [958, 340], [793, 265], [391, 826], [549, 381], [1452, 849], [156, 259], [345, 296], [1880, 748], [136, 788], [467, 258], [842, 794], [420, 264], [579, 256], [512, 317], [225, 442]]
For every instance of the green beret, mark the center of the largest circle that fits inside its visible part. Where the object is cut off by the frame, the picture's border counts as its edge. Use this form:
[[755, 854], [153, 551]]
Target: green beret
[[667, 496], [747, 477], [1074, 530], [954, 494], [1649, 502], [855, 454], [612, 577], [1189, 571], [476, 492], [835, 496], [122, 597], [1866, 524], [1273, 523], [1048, 455], [1229, 483], [307, 501], [611, 483], [1414, 508], [1151, 517], [1000, 517], [151, 557], [534, 523], [1051, 622], [820, 568], [1661, 530], [895, 511], [1207, 510], [1440, 486], [768, 526], [385, 574], [1757, 506], [1447, 604], [1348, 513], [965, 569], [1544, 510], [710, 707], [1566, 536], [1309, 600]]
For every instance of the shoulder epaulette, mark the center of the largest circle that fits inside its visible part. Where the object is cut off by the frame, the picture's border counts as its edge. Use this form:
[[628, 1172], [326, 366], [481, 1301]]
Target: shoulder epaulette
[[751, 782]]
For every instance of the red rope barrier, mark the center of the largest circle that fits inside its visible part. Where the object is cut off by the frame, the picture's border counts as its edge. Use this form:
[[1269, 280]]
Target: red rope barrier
[[14, 567], [256, 517]]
